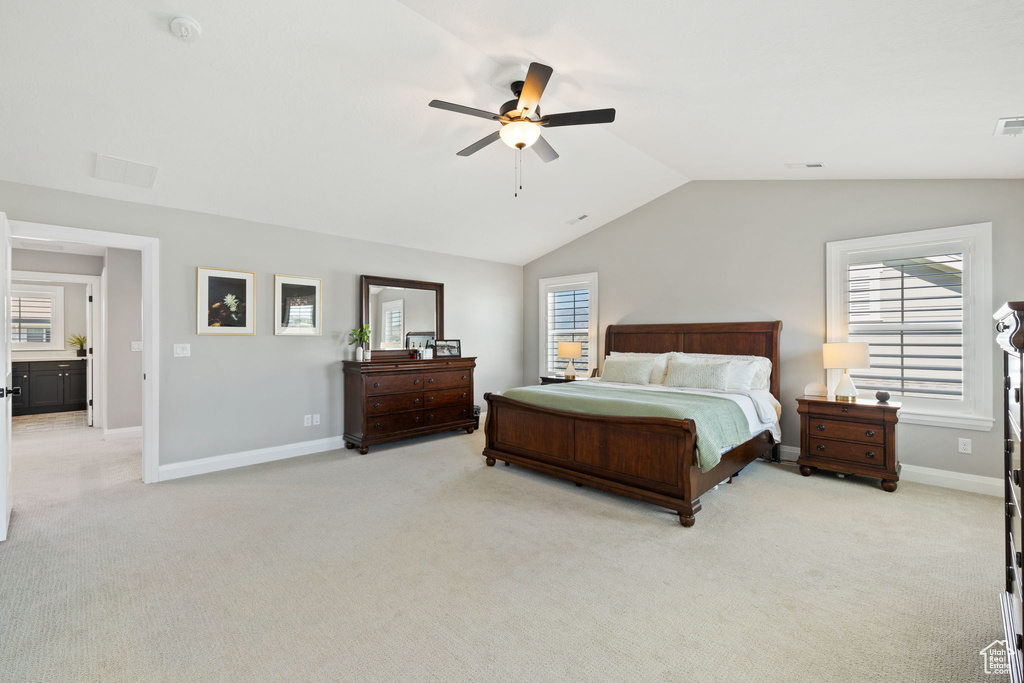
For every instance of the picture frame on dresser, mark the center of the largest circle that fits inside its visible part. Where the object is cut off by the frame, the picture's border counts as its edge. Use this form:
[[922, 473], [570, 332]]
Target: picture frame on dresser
[[298, 308], [225, 301], [447, 348]]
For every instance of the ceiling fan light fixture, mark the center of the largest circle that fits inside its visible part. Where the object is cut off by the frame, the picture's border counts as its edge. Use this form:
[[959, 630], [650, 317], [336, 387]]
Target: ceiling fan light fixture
[[520, 134]]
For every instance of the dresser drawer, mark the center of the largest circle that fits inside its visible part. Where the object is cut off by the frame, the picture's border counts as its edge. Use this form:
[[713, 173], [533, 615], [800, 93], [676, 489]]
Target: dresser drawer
[[851, 411], [860, 454], [847, 431], [447, 379], [391, 384], [443, 415], [396, 422], [393, 403], [445, 397]]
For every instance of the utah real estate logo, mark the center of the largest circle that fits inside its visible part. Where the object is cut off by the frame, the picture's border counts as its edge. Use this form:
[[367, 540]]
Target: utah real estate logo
[[996, 660]]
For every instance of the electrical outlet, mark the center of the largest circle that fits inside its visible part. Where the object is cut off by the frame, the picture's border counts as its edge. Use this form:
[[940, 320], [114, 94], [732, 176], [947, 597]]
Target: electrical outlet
[[316, 419], [963, 446], [182, 350], [307, 421], [136, 346]]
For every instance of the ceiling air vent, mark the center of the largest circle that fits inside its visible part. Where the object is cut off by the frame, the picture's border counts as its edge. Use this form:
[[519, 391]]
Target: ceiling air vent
[[124, 171], [1013, 126], [576, 220]]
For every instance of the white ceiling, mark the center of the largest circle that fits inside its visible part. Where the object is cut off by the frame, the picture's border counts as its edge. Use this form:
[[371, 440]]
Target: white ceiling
[[314, 115]]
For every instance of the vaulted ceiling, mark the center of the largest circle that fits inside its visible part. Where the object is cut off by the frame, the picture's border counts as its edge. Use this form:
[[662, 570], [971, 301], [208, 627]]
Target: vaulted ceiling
[[314, 115]]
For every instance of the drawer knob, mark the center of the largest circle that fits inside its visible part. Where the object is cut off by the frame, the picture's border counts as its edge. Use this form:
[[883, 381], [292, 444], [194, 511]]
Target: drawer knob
[[416, 419], [464, 411], [821, 428], [376, 425], [463, 377], [415, 381], [376, 405], [430, 399], [870, 454], [415, 400], [463, 394], [846, 410], [376, 385], [820, 447], [430, 381], [870, 432], [430, 417]]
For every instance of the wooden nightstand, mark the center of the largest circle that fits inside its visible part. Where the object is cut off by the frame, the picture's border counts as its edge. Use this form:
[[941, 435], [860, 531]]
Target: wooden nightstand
[[556, 379], [857, 437]]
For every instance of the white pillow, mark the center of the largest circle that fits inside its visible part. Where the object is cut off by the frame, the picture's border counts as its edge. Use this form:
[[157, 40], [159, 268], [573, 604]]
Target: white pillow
[[660, 363], [742, 374], [698, 375], [627, 370], [762, 375]]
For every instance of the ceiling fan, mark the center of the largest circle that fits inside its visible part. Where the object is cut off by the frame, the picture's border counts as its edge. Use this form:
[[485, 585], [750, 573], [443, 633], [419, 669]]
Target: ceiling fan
[[521, 119]]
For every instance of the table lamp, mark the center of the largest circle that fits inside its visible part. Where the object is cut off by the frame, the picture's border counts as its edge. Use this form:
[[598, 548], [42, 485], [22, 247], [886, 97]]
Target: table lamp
[[843, 356], [570, 350]]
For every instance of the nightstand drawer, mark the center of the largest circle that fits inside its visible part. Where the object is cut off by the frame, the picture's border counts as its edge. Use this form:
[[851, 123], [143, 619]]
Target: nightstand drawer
[[846, 410], [847, 431], [860, 454]]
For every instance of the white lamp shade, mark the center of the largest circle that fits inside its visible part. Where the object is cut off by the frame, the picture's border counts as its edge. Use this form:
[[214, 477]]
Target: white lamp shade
[[846, 355], [570, 350], [519, 134]]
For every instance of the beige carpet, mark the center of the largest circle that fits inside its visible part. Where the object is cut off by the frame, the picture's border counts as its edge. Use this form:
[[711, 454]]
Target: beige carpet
[[416, 562]]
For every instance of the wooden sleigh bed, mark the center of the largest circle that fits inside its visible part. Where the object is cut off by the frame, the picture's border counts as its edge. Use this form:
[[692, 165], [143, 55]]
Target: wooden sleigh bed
[[649, 458]]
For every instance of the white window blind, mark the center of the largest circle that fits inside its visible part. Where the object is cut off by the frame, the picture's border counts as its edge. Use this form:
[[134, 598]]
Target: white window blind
[[568, 313], [910, 312], [32, 319], [393, 324]]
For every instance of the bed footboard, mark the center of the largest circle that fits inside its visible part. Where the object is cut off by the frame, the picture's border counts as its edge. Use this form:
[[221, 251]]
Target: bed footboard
[[649, 458]]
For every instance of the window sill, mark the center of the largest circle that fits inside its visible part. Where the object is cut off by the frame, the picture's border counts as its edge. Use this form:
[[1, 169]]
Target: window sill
[[973, 422]]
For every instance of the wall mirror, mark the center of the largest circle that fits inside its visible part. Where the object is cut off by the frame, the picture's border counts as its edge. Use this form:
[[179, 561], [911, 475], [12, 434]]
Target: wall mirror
[[402, 314]]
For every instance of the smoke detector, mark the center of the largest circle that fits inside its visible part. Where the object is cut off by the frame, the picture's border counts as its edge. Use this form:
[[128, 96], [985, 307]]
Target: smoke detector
[[186, 28], [1011, 126]]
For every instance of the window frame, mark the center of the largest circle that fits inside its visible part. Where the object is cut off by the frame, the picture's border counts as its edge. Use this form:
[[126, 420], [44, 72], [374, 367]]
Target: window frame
[[975, 243], [586, 281], [56, 295]]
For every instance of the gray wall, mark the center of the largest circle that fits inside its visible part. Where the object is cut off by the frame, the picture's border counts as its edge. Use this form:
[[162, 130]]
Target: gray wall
[[124, 325], [755, 250], [54, 262], [74, 320], [241, 393]]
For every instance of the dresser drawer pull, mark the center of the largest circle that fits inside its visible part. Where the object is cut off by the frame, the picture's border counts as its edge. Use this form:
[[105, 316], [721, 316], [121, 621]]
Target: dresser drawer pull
[[376, 425], [870, 454], [463, 394], [464, 377], [376, 385], [820, 447], [415, 400], [870, 432], [415, 381], [846, 410], [63, 366], [430, 381], [376, 405], [416, 419], [821, 428], [464, 412], [430, 417], [430, 399]]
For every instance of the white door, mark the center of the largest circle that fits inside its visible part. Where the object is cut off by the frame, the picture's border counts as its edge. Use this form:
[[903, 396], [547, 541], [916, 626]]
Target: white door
[[91, 336], [5, 362]]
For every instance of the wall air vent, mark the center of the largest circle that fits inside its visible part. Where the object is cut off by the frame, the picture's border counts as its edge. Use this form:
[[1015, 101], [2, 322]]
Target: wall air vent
[[813, 164], [124, 171], [576, 220], [1011, 126]]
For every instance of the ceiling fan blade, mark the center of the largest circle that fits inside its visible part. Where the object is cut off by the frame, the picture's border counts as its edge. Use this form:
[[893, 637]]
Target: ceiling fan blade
[[579, 118], [479, 144], [533, 87], [545, 151], [459, 109]]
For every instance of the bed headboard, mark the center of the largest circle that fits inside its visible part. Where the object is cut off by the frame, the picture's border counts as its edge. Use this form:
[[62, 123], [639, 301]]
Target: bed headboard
[[747, 339]]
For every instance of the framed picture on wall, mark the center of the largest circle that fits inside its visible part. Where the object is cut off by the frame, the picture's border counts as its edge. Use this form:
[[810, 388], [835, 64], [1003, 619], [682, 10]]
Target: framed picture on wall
[[224, 302], [448, 348], [297, 305]]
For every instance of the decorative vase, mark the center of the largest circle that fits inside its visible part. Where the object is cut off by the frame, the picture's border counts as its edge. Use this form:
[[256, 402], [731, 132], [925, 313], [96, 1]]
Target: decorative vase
[[882, 396], [359, 354], [80, 353], [366, 356]]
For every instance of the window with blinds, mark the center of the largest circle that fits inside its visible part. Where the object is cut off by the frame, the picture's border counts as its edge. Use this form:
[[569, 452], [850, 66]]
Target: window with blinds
[[32, 319], [568, 318], [911, 312], [393, 325]]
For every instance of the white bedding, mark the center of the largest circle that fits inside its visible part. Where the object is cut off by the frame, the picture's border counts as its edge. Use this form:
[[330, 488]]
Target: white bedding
[[759, 406]]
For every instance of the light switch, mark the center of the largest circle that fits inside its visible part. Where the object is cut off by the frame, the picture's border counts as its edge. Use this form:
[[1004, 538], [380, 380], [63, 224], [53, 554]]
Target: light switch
[[136, 346], [182, 350]]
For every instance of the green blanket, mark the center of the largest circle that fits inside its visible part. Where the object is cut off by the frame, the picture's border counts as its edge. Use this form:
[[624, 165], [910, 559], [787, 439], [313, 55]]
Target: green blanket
[[719, 422]]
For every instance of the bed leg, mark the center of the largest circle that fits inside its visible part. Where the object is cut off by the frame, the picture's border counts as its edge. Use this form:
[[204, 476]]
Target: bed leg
[[490, 461], [507, 463]]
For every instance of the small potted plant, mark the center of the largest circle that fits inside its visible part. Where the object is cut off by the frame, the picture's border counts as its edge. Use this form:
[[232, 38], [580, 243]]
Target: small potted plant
[[360, 336], [80, 341]]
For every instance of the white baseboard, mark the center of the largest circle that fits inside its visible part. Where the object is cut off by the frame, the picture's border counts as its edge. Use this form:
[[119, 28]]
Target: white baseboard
[[229, 461], [123, 433], [990, 486]]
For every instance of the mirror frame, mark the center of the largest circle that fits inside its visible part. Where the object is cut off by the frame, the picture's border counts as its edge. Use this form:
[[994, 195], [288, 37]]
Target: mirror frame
[[367, 281]]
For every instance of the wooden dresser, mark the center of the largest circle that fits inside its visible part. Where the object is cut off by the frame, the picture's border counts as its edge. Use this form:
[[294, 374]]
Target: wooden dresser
[[858, 437], [390, 400], [1010, 337]]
